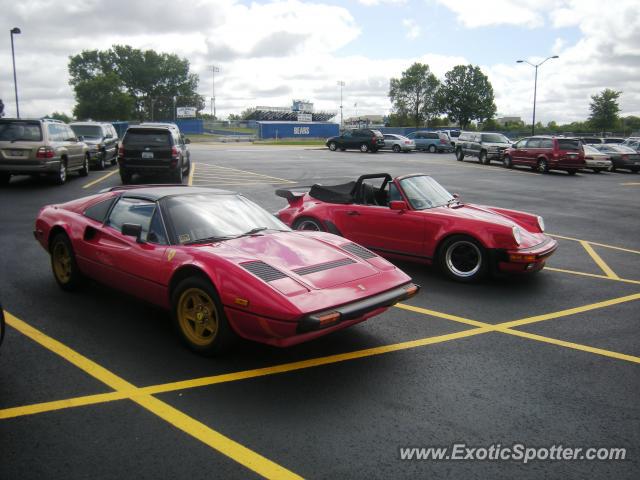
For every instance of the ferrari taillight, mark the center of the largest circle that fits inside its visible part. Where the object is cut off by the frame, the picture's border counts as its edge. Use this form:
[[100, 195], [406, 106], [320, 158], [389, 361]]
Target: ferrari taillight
[[45, 152]]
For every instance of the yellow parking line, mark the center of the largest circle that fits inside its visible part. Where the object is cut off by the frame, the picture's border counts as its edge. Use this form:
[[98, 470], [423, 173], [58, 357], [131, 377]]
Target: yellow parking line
[[446, 316], [569, 311], [98, 180], [575, 346], [193, 169], [596, 243], [592, 275], [628, 184], [135, 393], [180, 420], [601, 263]]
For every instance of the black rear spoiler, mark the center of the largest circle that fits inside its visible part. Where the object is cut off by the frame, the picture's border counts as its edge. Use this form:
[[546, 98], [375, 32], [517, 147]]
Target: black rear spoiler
[[290, 194]]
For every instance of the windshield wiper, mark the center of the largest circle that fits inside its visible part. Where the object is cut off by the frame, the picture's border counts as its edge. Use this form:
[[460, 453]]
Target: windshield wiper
[[257, 230], [207, 240]]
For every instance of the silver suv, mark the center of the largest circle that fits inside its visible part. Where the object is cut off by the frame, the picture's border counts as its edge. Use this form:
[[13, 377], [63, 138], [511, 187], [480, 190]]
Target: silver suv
[[483, 145], [40, 146]]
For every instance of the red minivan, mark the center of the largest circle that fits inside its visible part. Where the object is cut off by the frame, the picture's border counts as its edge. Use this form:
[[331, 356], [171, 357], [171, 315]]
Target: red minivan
[[544, 153]]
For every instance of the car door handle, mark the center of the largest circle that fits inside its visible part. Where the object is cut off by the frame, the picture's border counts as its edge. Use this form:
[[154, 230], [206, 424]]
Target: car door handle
[[353, 212]]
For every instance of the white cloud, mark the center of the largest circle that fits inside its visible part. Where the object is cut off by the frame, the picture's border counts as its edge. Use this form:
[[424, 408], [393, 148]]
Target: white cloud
[[413, 29], [371, 3], [269, 53]]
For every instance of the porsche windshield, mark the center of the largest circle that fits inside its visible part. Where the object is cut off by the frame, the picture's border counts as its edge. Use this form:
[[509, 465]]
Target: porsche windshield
[[424, 192], [212, 216]]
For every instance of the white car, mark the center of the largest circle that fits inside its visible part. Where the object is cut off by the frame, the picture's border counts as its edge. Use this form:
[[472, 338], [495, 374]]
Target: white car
[[398, 143], [596, 160]]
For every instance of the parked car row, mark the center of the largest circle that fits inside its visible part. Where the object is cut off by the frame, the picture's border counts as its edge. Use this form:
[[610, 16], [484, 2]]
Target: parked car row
[[543, 153], [53, 148]]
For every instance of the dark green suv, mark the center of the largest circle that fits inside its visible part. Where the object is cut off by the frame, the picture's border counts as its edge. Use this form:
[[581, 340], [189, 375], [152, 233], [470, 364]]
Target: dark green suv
[[363, 139], [484, 146]]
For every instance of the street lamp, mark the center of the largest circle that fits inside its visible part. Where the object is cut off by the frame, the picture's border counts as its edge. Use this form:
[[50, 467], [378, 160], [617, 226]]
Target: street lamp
[[15, 31], [535, 89], [214, 70], [341, 84]]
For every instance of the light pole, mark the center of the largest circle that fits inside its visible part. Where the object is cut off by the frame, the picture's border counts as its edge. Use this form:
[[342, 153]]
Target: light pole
[[341, 84], [15, 31], [535, 89], [214, 70]]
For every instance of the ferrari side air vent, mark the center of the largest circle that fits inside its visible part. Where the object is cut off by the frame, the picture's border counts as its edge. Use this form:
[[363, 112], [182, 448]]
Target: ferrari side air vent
[[263, 271], [358, 251], [323, 266]]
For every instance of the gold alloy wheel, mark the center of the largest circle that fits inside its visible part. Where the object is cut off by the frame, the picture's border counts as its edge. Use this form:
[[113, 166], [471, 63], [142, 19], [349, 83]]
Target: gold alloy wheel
[[198, 317], [62, 262]]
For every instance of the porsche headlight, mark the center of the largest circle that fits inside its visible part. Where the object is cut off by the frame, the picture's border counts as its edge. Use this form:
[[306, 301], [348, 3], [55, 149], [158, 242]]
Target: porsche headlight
[[541, 223], [516, 235]]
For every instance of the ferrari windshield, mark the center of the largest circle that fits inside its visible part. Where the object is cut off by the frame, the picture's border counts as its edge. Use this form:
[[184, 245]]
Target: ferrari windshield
[[424, 192], [210, 216]]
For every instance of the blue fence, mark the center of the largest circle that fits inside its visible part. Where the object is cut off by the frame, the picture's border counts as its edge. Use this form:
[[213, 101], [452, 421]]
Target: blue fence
[[190, 125], [293, 130]]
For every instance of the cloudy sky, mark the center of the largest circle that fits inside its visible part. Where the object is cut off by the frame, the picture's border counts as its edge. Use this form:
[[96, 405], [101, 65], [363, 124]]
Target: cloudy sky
[[270, 52]]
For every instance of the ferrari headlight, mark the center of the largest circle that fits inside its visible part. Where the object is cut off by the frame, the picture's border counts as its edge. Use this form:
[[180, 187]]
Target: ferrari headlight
[[516, 235], [541, 223]]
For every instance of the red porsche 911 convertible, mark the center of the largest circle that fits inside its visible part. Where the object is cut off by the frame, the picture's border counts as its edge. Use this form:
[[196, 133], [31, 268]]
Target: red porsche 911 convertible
[[413, 217], [222, 264]]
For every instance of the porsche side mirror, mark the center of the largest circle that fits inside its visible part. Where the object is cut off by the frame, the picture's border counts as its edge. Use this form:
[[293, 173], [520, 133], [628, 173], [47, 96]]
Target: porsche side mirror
[[455, 195], [187, 141], [398, 205], [132, 230]]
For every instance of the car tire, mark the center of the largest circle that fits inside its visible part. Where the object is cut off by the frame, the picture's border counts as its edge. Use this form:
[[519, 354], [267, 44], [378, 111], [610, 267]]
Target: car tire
[[125, 177], [483, 158], [60, 177], [635, 170], [396, 148], [459, 155], [431, 149], [463, 259], [63, 263], [542, 166], [308, 223], [5, 178], [507, 162], [572, 172], [364, 148], [100, 165], [596, 170], [199, 317], [332, 146], [84, 171]]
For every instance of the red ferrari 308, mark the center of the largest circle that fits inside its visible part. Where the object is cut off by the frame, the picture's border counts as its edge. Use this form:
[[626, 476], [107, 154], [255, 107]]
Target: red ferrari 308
[[413, 217], [222, 264]]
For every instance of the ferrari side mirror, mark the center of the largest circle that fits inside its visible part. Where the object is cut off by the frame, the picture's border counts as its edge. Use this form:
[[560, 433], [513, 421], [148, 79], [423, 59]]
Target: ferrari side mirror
[[132, 230], [398, 205]]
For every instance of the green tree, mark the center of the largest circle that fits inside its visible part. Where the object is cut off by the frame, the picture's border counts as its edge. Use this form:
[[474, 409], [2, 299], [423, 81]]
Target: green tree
[[60, 116], [467, 95], [156, 82], [102, 98], [490, 125], [604, 109], [414, 94]]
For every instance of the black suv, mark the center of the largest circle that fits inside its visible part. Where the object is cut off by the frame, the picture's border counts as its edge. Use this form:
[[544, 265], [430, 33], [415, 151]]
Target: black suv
[[150, 150], [364, 139], [102, 140], [482, 145]]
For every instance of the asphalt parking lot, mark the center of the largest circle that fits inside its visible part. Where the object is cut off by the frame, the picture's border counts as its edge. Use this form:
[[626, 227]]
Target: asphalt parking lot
[[97, 385]]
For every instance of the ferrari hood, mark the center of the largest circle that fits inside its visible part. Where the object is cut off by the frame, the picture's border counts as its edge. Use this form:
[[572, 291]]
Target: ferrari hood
[[307, 259]]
